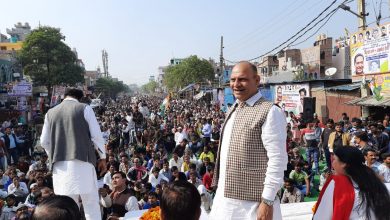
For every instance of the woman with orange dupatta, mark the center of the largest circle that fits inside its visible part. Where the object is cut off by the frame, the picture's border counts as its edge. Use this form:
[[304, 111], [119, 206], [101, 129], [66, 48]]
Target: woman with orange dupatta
[[353, 192]]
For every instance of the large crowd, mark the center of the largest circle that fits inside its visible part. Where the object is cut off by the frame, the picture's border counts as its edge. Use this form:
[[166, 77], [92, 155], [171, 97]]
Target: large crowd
[[150, 144]]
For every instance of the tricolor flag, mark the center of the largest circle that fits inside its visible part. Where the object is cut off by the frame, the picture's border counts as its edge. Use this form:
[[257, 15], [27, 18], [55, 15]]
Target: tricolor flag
[[165, 105]]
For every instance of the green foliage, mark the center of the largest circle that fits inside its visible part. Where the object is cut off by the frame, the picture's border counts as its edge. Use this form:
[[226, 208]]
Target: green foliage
[[190, 70], [110, 88], [48, 60], [299, 75], [149, 87]]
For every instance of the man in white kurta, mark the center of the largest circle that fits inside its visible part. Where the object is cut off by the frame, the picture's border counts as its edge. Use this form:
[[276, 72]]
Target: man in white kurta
[[274, 139], [75, 178]]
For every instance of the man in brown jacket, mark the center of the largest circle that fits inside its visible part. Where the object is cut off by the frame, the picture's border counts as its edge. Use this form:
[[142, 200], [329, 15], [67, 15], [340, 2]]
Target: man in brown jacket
[[338, 138]]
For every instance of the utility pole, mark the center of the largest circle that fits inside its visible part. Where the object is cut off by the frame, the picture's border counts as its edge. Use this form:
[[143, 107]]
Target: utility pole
[[221, 63], [364, 90], [362, 13], [105, 63]]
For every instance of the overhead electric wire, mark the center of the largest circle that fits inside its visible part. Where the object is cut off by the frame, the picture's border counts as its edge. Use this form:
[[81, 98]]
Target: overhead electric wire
[[315, 31], [378, 19], [266, 23], [267, 33], [303, 29], [307, 25], [329, 15], [374, 7], [385, 18]]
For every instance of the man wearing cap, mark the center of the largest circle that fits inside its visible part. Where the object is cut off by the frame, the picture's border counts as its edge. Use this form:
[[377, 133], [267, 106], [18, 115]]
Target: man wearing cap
[[32, 198], [71, 135]]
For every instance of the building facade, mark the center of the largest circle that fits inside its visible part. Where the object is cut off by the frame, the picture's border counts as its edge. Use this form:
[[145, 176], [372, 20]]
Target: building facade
[[289, 58], [317, 59], [267, 65]]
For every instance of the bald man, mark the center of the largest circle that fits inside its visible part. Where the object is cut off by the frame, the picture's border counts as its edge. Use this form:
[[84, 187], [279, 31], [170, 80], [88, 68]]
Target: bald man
[[251, 158]]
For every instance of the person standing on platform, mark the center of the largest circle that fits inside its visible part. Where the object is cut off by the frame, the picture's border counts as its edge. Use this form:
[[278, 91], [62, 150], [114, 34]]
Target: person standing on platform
[[71, 135], [252, 154]]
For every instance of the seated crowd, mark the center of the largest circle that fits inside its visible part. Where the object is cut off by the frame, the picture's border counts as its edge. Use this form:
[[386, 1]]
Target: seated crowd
[[149, 149]]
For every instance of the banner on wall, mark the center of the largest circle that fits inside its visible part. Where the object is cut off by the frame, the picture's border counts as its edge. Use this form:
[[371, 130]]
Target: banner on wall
[[57, 95], [379, 85], [22, 88], [370, 51], [290, 96]]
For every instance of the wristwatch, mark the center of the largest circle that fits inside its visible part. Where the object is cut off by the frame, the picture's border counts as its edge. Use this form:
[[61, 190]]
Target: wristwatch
[[267, 201]]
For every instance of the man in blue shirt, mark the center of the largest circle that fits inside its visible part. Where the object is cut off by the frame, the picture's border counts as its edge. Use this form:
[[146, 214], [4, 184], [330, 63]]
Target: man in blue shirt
[[11, 142]]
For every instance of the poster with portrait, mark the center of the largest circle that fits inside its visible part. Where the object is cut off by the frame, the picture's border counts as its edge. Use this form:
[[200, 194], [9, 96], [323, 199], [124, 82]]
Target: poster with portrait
[[370, 51], [22, 103], [57, 95], [290, 96], [22, 88], [379, 85]]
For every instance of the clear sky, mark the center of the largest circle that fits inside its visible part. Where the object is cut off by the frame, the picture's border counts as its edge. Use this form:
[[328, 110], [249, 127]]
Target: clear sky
[[141, 35]]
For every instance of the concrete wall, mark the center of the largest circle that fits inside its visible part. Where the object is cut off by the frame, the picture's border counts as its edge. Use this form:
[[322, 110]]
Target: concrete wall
[[331, 104], [336, 106], [294, 55], [268, 64]]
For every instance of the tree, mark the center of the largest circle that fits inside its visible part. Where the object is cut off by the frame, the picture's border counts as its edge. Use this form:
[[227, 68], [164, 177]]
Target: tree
[[190, 70], [150, 87], [110, 87], [48, 60], [299, 75]]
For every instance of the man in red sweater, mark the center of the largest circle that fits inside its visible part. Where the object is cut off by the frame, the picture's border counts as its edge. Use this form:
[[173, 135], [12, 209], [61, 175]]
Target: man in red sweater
[[208, 177]]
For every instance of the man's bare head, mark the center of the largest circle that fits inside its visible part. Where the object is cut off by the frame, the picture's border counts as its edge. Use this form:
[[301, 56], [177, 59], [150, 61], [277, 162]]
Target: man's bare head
[[244, 80]]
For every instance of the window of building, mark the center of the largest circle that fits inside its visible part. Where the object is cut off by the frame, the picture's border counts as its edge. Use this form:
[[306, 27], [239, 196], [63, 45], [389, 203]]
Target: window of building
[[3, 48], [322, 55]]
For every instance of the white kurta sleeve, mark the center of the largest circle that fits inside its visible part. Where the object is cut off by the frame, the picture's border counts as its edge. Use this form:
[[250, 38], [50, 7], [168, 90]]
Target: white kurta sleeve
[[96, 133], [324, 210], [132, 204], [106, 201], [274, 140], [11, 189], [164, 178], [24, 188], [45, 136]]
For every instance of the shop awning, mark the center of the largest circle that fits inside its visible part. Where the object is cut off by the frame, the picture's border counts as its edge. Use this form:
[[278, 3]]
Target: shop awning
[[187, 88], [199, 95], [346, 87], [370, 101]]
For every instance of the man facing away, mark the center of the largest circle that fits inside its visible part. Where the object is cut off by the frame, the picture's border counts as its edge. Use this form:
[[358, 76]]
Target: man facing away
[[180, 200], [252, 154], [70, 136]]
